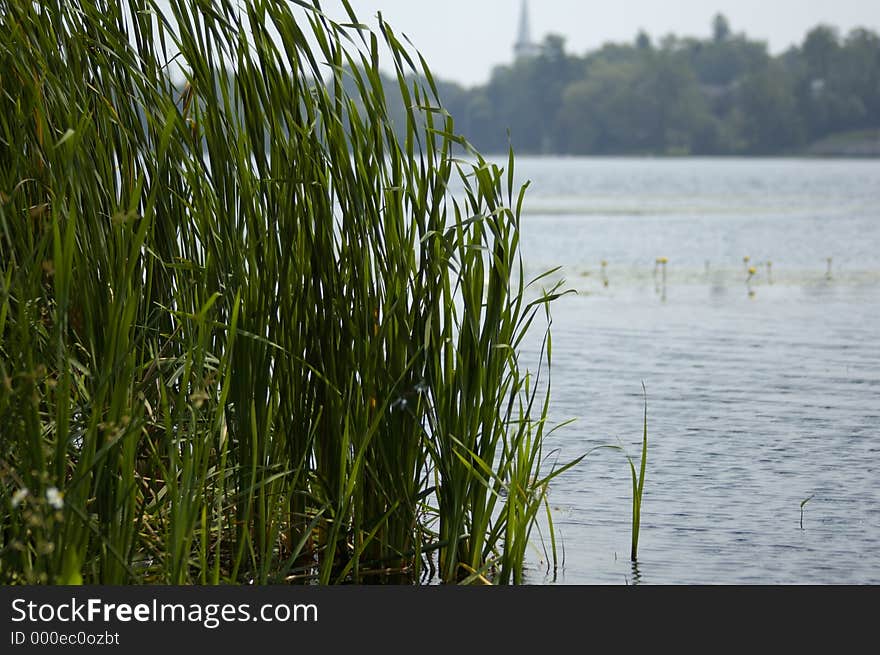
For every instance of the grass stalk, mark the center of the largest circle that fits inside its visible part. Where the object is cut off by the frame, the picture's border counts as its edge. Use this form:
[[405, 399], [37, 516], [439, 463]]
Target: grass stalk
[[638, 484]]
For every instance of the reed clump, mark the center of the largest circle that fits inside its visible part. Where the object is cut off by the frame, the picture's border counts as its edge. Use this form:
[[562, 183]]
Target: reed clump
[[247, 333]]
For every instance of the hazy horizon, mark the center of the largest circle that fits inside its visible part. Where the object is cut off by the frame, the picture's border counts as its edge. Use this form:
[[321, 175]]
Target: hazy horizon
[[464, 40]]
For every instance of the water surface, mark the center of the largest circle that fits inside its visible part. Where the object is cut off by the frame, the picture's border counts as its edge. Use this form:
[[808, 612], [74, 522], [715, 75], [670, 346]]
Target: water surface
[[763, 388]]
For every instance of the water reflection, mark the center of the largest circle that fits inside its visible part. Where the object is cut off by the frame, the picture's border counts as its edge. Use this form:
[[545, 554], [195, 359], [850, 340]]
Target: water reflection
[[660, 277], [636, 578]]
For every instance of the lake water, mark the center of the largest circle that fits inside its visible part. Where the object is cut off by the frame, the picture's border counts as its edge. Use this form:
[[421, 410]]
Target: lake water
[[763, 390]]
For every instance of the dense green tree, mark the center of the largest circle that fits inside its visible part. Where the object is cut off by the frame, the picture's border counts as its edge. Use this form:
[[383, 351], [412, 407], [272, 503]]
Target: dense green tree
[[595, 110], [526, 98], [768, 113], [721, 63], [720, 28], [820, 51], [669, 108], [858, 72], [724, 94], [840, 81]]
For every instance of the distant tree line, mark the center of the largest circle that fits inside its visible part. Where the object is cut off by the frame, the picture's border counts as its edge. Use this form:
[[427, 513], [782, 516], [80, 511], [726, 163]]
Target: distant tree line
[[721, 95]]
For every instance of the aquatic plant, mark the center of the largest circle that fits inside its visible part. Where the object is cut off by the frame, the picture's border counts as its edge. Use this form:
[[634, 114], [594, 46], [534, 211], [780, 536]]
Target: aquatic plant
[[638, 482], [750, 275], [660, 267], [803, 505], [247, 332]]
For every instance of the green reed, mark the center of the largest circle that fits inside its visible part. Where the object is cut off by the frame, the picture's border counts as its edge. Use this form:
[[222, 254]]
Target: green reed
[[638, 483], [247, 332]]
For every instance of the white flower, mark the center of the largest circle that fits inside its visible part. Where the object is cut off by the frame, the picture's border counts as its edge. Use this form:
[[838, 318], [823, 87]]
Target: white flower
[[19, 496], [55, 498]]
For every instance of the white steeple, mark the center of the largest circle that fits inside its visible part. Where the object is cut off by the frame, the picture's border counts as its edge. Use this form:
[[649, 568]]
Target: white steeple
[[524, 47]]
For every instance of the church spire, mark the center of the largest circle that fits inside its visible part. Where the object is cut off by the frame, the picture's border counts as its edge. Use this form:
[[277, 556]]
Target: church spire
[[524, 47]]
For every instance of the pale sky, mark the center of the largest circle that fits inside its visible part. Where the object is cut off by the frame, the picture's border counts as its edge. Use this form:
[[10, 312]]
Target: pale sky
[[463, 39]]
